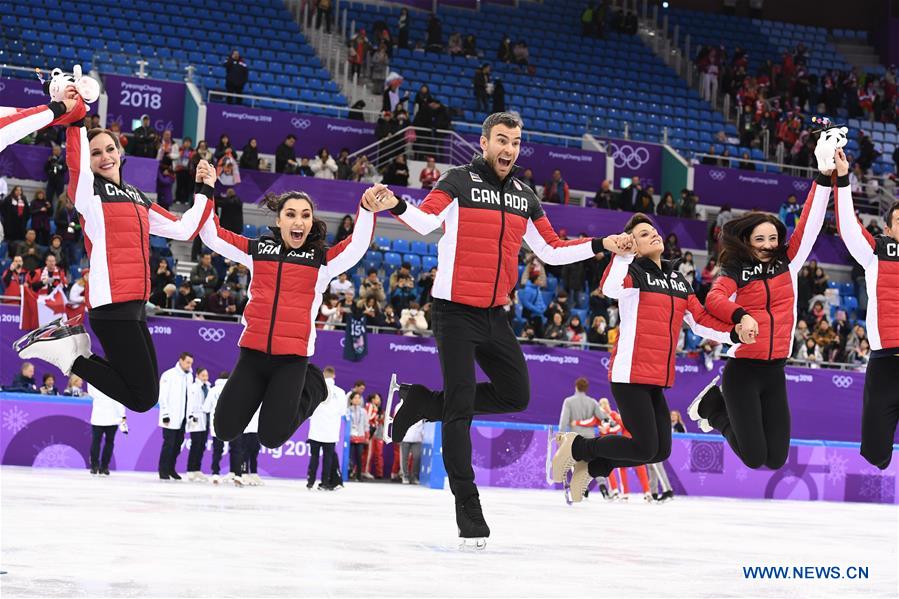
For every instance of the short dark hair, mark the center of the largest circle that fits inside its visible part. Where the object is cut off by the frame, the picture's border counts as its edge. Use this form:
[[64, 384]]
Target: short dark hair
[[581, 384], [201, 370], [48, 376], [893, 210], [359, 382], [406, 265], [372, 271], [185, 354], [224, 374], [500, 118], [637, 219]]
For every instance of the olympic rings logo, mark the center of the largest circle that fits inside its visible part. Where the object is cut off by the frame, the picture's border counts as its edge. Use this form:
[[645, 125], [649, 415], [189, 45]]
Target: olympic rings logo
[[605, 363], [526, 151], [842, 382], [2, 86], [299, 123], [717, 175], [629, 156], [209, 334], [800, 185]]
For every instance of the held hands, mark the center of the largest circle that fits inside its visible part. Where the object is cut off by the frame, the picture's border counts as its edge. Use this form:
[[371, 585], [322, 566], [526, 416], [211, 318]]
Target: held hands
[[747, 330], [621, 244], [205, 173], [377, 198], [841, 162]]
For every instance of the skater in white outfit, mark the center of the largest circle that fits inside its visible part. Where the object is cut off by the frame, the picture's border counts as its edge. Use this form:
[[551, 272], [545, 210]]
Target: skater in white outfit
[[218, 445], [197, 419], [324, 433], [250, 446], [174, 391], [107, 417]]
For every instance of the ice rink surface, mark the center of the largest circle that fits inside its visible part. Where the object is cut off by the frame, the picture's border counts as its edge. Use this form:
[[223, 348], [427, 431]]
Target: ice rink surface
[[66, 533]]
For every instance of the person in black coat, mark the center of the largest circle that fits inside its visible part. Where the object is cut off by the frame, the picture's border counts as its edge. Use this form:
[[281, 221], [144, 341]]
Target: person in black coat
[[499, 96], [397, 172], [249, 157], [56, 170], [286, 156], [236, 75], [230, 211], [629, 197], [143, 139], [24, 381]]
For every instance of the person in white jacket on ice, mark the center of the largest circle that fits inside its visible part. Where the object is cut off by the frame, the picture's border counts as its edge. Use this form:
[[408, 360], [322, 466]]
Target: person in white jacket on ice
[[174, 391], [197, 419], [250, 446], [324, 433], [107, 416], [218, 445]]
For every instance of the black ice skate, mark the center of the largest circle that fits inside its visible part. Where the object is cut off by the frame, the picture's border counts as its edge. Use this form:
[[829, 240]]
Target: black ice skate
[[473, 529], [416, 403]]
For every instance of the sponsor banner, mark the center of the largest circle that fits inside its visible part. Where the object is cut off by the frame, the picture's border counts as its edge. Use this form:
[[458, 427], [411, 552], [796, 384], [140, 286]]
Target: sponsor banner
[[131, 97]]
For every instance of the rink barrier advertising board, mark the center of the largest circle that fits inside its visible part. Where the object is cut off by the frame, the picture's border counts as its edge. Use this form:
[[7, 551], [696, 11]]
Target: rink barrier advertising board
[[55, 433], [132, 97]]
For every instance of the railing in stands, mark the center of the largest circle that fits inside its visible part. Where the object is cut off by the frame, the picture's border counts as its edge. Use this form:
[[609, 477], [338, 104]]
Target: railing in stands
[[447, 147], [196, 315], [213, 95]]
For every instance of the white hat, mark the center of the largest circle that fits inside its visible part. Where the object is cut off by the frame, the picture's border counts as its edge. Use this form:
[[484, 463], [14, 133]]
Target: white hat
[[393, 76]]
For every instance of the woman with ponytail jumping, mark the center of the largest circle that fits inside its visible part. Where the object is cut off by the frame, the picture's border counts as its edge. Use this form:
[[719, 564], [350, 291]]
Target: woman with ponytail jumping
[[290, 268], [758, 286]]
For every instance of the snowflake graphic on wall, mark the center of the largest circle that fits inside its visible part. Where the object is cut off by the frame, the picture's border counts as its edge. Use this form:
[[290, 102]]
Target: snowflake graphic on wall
[[528, 472], [836, 468], [15, 419], [51, 454], [742, 473]]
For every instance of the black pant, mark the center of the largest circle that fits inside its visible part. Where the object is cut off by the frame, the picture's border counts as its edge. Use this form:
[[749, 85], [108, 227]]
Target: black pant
[[234, 455], [171, 447], [249, 444], [327, 459], [756, 422], [880, 410], [97, 433], [466, 335], [334, 477], [356, 450], [644, 413], [289, 389], [183, 186], [234, 89], [55, 187], [197, 449], [129, 373]]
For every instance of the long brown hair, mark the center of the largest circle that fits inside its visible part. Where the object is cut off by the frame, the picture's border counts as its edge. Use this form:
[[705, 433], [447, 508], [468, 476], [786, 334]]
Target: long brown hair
[[317, 237], [735, 247]]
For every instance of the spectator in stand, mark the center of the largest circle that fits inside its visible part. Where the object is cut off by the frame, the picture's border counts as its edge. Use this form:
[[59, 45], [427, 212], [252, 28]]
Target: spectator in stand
[[56, 170], [504, 53], [426, 284], [286, 156], [144, 139], [688, 268], [454, 44], [236, 76], [604, 198], [249, 156], [429, 174], [165, 298], [323, 165], [598, 333], [397, 172], [810, 352], [861, 354], [575, 332], [688, 203], [667, 207], [75, 386], [345, 229], [599, 303], [364, 171], [24, 381], [341, 285], [709, 158], [162, 277], [41, 209], [15, 214], [434, 42], [790, 211], [222, 301], [48, 386], [816, 315], [324, 14], [672, 248], [166, 146], [203, 277], [359, 47], [527, 177], [556, 190], [799, 336], [344, 168], [481, 85], [46, 279], [238, 277], [470, 47], [372, 287], [629, 197], [403, 29], [32, 254], [412, 320], [392, 98], [13, 279], [68, 225], [229, 208], [304, 169], [746, 163], [645, 202], [183, 183], [201, 153], [827, 340], [222, 148], [389, 318], [556, 329], [404, 293], [520, 53], [78, 290], [165, 180]]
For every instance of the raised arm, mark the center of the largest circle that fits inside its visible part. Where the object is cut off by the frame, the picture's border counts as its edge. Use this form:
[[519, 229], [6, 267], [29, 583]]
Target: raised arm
[[166, 224], [812, 219], [616, 281], [543, 240], [232, 246], [81, 178], [16, 125], [429, 216], [858, 240], [348, 253]]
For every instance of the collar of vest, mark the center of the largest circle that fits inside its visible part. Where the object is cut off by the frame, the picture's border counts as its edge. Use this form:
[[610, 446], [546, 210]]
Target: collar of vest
[[668, 266], [480, 166]]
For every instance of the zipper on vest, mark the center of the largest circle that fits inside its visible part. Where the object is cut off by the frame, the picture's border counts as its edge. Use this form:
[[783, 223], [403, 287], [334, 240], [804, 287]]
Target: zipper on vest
[[499, 257], [271, 328], [770, 317], [142, 250], [670, 342]]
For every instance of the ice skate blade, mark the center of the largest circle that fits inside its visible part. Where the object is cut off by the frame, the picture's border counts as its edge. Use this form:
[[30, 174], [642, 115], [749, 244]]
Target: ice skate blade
[[389, 411], [566, 487], [473, 544]]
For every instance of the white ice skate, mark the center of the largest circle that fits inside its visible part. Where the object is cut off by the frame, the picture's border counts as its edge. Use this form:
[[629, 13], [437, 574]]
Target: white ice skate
[[216, 479], [59, 343], [256, 480], [563, 461], [577, 486], [389, 411], [693, 409], [241, 481]]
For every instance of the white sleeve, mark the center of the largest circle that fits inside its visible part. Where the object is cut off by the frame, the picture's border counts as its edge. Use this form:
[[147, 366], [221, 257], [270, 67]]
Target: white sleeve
[[351, 250], [166, 224], [614, 280]]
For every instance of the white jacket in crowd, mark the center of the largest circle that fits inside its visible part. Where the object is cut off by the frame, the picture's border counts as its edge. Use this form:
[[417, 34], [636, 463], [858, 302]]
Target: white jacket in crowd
[[212, 399], [174, 385], [324, 424], [326, 169], [105, 411], [195, 403]]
